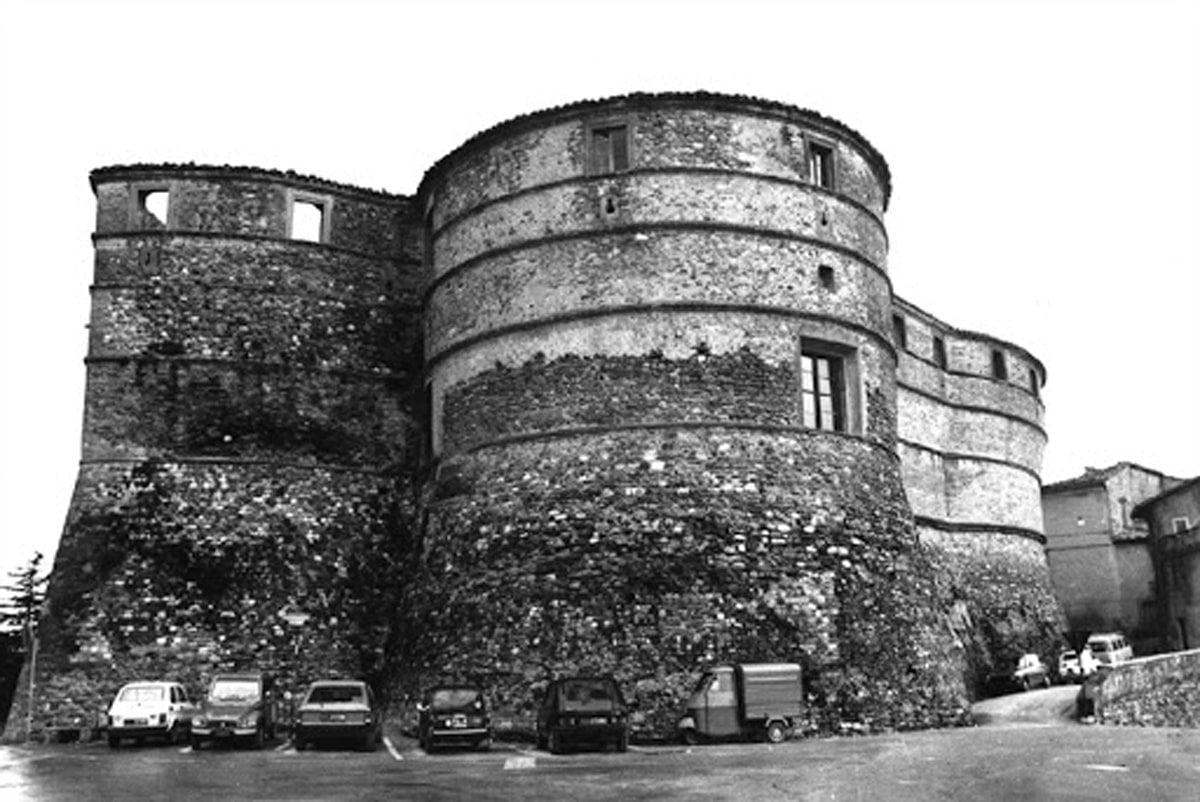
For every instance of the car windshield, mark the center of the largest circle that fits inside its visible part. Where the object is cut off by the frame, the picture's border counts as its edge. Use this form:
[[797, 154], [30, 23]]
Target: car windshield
[[335, 693], [447, 698], [142, 693], [234, 690], [587, 695]]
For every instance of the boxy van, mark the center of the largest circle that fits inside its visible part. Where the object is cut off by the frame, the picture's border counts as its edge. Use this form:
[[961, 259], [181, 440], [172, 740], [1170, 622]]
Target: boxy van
[[1109, 648]]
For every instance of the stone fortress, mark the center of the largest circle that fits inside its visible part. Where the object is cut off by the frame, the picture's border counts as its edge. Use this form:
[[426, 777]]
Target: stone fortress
[[623, 388]]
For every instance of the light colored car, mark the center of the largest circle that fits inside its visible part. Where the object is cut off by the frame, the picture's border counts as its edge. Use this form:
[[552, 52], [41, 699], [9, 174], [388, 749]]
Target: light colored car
[[142, 710], [1031, 671], [338, 711], [1110, 648], [1069, 668]]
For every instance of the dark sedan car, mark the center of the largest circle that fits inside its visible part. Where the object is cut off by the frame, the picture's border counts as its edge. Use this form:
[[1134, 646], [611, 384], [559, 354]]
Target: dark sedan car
[[338, 711], [454, 715], [583, 711]]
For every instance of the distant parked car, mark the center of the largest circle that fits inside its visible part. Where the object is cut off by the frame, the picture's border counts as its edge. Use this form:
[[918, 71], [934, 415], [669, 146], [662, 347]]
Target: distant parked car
[[338, 711], [453, 715], [1110, 648], [1030, 672], [142, 710], [583, 710], [1069, 668]]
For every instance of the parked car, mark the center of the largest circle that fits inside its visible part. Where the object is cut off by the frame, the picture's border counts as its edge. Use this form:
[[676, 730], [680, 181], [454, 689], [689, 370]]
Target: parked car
[[237, 708], [142, 710], [1030, 672], [338, 711], [1069, 668], [453, 715], [1109, 648], [583, 710]]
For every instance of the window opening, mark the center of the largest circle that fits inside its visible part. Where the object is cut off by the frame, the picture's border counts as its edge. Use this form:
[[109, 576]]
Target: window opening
[[999, 368], [610, 149], [820, 164], [154, 202], [939, 352], [308, 220], [1179, 525], [1033, 383], [899, 332], [822, 392], [825, 275]]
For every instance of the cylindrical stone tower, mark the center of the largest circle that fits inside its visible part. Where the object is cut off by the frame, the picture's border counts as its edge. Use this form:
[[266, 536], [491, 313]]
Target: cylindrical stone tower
[[248, 430], [660, 365]]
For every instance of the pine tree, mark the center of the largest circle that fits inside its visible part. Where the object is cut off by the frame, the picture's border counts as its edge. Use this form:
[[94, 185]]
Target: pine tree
[[24, 596]]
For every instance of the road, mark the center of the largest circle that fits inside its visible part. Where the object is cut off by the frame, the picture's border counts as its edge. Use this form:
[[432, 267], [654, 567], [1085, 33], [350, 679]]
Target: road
[[1026, 750]]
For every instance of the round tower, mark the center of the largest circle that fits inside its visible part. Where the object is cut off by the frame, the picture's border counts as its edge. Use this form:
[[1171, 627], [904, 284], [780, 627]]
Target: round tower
[[663, 392], [247, 428]]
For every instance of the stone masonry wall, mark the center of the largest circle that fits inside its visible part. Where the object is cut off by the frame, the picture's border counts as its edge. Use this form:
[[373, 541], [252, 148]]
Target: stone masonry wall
[[1159, 691], [651, 554], [249, 436]]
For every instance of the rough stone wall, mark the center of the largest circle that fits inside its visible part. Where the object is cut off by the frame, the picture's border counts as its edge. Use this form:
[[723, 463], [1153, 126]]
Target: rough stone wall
[[248, 437], [624, 484], [1160, 691]]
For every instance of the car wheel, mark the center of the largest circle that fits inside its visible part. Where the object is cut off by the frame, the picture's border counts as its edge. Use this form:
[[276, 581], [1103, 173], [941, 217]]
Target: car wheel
[[369, 742], [691, 737], [484, 744], [555, 743], [175, 734], [299, 742], [1025, 684], [776, 732], [257, 739], [114, 740], [196, 742], [623, 742]]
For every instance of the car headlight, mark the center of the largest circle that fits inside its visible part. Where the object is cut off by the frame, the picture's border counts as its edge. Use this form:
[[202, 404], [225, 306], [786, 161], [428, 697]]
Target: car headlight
[[248, 720], [199, 721]]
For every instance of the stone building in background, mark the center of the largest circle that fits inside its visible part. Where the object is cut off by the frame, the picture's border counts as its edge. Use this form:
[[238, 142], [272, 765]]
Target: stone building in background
[[1099, 553], [624, 388], [1173, 520]]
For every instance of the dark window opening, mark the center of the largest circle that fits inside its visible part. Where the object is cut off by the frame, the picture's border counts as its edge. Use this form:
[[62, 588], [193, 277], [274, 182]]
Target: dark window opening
[[999, 366], [308, 220], [610, 149], [820, 164], [154, 203], [825, 275], [939, 352], [1033, 383], [822, 392], [899, 332]]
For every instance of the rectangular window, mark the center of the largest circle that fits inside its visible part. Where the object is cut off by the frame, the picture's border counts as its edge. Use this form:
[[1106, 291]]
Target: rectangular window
[[939, 352], [999, 366], [1179, 525], [151, 205], [899, 332], [1034, 386], [820, 164], [610, 149], [822, 392], [309, 218]]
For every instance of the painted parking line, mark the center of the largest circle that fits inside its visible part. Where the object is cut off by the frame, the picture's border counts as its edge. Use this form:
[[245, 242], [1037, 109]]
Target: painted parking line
[[392, 750], [1105, 767], [523, 762], [284, 747], [187, 750]]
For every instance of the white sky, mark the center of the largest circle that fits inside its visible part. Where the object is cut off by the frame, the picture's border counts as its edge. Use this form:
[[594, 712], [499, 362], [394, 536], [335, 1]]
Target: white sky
[[1044, 157]]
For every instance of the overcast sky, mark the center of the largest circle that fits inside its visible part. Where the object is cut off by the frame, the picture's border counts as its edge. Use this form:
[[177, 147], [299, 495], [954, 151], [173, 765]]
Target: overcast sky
[[1044, 158]]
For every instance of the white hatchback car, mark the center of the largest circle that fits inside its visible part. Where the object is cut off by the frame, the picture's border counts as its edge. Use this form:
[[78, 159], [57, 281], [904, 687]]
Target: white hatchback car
[[143, 710]]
